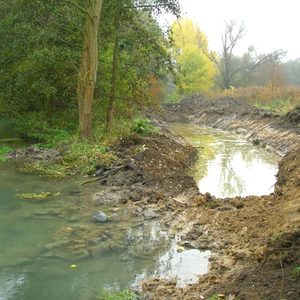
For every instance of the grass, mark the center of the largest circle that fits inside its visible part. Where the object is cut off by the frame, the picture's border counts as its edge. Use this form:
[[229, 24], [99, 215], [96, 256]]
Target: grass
[[78, 157], [4, 150], [279, 100], [123, 295], [83, 157]]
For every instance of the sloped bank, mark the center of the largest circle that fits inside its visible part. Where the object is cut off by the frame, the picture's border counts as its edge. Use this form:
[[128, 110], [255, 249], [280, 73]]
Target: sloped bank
[[255, 240], [280, 134]]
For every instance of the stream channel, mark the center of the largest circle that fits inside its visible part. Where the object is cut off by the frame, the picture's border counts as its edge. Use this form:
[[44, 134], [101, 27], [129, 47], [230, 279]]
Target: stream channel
[[52, 249]]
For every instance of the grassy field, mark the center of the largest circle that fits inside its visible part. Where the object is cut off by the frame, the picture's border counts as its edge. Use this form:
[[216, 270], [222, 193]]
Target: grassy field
[[279, 100]]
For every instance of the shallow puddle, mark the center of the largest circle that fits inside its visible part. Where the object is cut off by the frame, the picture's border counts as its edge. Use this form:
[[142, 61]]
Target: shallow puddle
[[227, 164]]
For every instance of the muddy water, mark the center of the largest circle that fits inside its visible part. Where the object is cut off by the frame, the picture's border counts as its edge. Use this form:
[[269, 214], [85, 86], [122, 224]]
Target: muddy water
[[227, 164], [52, 249]]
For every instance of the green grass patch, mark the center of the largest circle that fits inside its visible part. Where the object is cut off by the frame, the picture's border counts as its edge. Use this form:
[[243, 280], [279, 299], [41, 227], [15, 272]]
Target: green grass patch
[[123, 295], [77, 158], [4, 150], [280, 106]]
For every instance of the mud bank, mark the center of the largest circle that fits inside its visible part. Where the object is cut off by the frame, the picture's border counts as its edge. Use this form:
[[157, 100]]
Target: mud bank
[[280, 134], [255, 240]]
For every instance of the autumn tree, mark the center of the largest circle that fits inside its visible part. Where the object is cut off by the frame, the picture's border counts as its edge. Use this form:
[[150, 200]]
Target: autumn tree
[[195, 70]]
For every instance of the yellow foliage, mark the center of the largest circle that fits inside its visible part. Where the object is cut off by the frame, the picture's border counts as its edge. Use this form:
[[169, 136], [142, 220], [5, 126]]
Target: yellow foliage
[[186, 33], [196, 71]]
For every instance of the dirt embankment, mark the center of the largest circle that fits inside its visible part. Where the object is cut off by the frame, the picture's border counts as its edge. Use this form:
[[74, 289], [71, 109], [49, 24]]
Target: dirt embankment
[[281, 134], [255, 243], [255, 240]]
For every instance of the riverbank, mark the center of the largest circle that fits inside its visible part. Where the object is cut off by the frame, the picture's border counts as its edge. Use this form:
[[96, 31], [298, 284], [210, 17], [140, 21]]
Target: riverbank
[[254, 240], [280, 134]]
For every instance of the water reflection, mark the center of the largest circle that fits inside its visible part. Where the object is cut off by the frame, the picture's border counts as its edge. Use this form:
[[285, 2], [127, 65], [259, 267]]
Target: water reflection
[[133, 250], [227, 165], [12, 285]]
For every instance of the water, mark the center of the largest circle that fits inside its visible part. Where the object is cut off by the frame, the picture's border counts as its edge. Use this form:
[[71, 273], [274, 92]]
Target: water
[[51, 249], [228, 165]]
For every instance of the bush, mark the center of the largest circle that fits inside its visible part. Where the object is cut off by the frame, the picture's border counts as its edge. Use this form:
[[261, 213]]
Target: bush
[[143, 126]]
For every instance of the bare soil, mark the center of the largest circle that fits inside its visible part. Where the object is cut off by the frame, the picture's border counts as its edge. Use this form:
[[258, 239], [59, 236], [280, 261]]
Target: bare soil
[[255, 240]]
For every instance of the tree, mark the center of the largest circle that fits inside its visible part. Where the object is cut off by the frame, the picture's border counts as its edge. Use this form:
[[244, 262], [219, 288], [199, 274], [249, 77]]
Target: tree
[[233, 69], [195, 70], [39, 37], [88, 68], [89, 63], [138, 50]]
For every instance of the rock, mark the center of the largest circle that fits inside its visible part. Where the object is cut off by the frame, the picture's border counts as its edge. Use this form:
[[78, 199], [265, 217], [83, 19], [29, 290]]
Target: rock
[[150, 214], [74, 219], [80, 254], [96, 251], [56, 244], [95, 241], [100, 217]]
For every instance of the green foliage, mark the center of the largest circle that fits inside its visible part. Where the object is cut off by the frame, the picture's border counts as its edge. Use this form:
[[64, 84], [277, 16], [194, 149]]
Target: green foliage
[[39, 57], [4, 150], [46, 132], [123, 295], [143, 126], [296, 270], [211, 204], [173, 97]]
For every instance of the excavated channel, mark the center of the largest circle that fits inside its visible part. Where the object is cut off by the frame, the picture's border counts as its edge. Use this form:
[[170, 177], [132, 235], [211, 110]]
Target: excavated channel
[[227, 164]]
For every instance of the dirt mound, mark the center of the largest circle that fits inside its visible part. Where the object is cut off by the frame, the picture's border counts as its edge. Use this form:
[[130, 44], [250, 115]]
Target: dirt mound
[[294, 116]]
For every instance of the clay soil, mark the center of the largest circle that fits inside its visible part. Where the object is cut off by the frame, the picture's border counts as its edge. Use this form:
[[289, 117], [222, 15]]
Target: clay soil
[[255, 241]]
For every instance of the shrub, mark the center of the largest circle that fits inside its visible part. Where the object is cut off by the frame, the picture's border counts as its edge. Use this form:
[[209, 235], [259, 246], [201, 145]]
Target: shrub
[[143, 126]]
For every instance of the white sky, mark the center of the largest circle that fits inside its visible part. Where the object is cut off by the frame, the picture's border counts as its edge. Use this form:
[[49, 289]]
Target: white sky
[[270, 24]]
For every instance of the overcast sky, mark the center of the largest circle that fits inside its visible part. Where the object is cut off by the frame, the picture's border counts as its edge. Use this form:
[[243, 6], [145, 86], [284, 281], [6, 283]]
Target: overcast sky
[[270, 24]]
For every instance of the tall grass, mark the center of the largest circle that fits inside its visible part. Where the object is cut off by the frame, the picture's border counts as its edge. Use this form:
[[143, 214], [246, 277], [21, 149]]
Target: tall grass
[[281, 99]]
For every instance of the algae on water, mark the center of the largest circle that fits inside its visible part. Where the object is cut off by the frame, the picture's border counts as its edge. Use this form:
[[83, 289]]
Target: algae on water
[[37, 196]]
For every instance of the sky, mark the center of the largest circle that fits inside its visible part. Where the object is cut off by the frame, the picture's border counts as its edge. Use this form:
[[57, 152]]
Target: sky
[[270, 24]]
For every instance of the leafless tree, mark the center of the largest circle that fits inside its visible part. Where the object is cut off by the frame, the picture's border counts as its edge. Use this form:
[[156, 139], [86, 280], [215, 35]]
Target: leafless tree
[[233, 68]]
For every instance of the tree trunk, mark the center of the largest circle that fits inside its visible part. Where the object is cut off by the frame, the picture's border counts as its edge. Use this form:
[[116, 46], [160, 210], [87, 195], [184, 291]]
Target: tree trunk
[[88, 69], [112, 96]]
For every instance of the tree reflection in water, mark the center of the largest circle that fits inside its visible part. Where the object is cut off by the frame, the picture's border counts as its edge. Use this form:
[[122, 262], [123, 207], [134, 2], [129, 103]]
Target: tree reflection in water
[[227, 165]]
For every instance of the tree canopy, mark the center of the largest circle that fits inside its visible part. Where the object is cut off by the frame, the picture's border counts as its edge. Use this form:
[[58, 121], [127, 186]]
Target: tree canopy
[[195, 70]]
